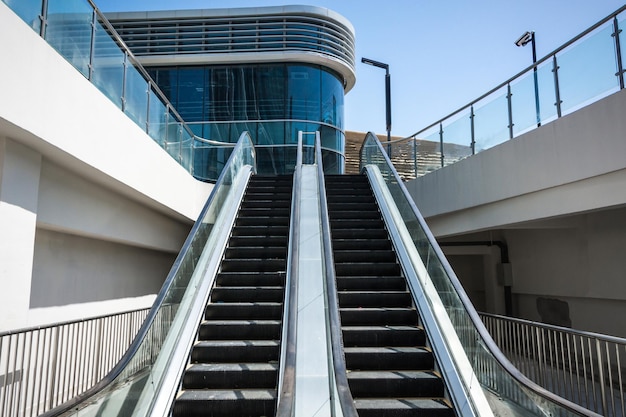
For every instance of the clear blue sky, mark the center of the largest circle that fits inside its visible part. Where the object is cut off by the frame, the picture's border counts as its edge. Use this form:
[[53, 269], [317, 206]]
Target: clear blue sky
[[442, 54]]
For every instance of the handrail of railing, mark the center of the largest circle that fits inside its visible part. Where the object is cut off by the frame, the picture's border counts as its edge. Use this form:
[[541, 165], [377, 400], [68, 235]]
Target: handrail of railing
[[64, 323], [287, 375], [161, 298], [519, 74], [334, 322], [468, 309]]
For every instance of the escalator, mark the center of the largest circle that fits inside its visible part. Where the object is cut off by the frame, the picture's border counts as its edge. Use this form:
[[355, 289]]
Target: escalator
[[391, 371], [234, 363]]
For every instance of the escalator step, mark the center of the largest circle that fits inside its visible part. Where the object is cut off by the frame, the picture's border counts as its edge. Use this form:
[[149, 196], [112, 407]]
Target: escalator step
[[381, 316], [256, 252], [342, 198], [235, 351], [372, 283], [361, 336], [367, 269], [268, 220], [381, 358], [375, 299], [358, 233], [376, 223], [242, 311], [403, 407], [243, 241], [230, 375], [243, 403], [239, 329], [362, 244], [261, 231], [376, 384], [355, 256], [356, 215], [252, 279], [265, 204], [253, 265], [257, 294]]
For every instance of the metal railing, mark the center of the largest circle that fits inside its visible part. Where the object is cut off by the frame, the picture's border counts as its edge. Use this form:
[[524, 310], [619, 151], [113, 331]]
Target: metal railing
[[578, 73], [42, 367], [586, 368]]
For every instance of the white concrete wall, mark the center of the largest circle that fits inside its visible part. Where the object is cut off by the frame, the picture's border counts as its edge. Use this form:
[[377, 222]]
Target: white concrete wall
[[92, 210], [556, 197]]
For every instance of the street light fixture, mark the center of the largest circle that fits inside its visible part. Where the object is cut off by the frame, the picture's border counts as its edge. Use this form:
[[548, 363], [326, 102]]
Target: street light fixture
[[387, 96], [523, 41]]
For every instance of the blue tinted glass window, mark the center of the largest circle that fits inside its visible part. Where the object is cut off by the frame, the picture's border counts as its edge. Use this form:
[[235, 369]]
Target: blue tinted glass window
[[303, 93]]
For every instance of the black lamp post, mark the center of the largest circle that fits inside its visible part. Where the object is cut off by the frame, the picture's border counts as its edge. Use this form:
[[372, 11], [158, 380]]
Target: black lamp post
[[387, 96], [522, 41]]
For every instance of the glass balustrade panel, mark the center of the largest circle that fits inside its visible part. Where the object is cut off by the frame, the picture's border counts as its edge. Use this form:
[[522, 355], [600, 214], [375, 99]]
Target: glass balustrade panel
[[108, 65], [491, 121], [28, 10]]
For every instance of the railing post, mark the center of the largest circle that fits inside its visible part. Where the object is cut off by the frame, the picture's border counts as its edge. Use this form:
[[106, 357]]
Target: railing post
[[441, 142], [557, 91], [124, 72], [92, 43], [43, 17], [509, 95], [601, 382], [473, 143], [618, 52], [148, 107], [415, 155]]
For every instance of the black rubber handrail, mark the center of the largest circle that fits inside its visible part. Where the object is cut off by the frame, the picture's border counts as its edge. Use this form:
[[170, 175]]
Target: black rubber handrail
[[158, 303], [467, 304], [336, 339]]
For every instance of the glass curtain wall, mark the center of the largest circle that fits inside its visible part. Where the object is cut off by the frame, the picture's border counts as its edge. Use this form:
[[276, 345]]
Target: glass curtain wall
[[271, 101]]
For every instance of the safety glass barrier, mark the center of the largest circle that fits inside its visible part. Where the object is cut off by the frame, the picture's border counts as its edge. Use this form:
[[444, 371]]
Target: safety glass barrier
[[131, 387], [578, 73], [504, 385], [79, 32]]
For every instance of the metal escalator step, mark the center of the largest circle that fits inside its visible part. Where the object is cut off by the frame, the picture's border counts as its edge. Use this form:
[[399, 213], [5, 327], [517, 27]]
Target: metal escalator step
[[252, 279], [229, 294], [361, 244], [241, 403], [268, 220], [263, 211], [265, 204], [354, 336], [358, 233], [253, 265], [381, 358], [239, 329], [367, 269], [379, 316], [403, 407], [243, 241], [230, 376], [375, 299], [341, 198], [354, 283], [359, 255], [376, 384], [261, 230], [355, 215], [256, 252], [235, 351], [244, 311]]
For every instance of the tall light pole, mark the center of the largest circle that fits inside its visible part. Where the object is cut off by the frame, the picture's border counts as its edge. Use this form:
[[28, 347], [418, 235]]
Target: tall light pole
[[522, 41], [387, 96]]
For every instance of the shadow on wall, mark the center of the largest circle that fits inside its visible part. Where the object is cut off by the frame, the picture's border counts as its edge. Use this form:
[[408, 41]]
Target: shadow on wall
[[554, 311], [69, 269]]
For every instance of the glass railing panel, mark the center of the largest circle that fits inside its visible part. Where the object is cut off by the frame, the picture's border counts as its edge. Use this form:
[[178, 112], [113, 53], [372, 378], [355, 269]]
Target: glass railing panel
[[491, 121], [108, 66], [429, 152], [136, 96], [174, 129], [621, 23], [524, 103], [547, 92], [28, 10], [587, 70], [69, 31], [186, 151], [157, 118], [457, 138], [127, 394]]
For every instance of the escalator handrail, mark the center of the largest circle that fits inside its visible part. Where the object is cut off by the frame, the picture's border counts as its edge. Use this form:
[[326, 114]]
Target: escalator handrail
[[158, 302], [286, 398], [336, 339], [467, 305]]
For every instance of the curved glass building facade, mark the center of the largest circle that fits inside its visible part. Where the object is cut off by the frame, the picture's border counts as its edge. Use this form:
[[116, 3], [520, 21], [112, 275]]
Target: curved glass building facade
[[271, 71]]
